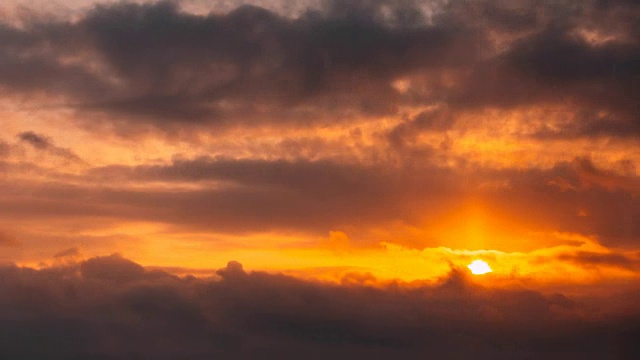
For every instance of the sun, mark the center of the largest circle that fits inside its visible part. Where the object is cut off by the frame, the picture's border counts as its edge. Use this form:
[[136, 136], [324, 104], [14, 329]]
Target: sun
[[479, 267]]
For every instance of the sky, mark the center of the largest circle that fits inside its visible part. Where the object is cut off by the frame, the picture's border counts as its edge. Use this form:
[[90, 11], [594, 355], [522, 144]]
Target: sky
[[295, 177]]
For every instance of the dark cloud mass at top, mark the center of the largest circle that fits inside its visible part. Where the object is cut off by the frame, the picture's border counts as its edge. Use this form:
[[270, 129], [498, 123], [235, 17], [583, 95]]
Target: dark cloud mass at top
[[156, 64]]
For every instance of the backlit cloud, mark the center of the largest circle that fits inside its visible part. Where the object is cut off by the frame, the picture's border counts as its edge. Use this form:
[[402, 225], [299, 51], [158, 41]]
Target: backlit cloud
[[112, 307], [357, 155], [158, 64]]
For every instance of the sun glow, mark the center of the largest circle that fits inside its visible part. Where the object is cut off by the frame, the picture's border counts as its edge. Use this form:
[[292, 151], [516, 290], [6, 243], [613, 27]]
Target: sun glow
[[479, 267]]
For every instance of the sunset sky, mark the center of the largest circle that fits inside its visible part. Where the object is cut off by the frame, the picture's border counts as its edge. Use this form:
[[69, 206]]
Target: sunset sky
[[345, 150]]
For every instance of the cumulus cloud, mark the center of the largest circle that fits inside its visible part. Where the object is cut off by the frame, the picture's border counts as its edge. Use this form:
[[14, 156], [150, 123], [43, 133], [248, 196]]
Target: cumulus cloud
[[110, 307]]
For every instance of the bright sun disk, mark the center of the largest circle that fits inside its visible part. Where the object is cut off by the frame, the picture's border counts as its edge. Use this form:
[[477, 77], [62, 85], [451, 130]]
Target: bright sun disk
[[479, 267]]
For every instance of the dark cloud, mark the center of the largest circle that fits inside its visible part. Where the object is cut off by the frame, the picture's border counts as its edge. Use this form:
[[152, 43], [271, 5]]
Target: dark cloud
[[314, 197], [590, 175], [43, 143], [565, 197], [155, 64], [71, 252], [167, 67], [329, 177], [595, 78], [111, 268], [75, 312], [257, 195], [426, 121], [590, 259], [217, 67], [37, 141]]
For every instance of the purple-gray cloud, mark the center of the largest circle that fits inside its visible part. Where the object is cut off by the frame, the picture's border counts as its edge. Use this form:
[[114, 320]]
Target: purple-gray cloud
[[111, 308], [43, 143], [162, 66], [314, 197]]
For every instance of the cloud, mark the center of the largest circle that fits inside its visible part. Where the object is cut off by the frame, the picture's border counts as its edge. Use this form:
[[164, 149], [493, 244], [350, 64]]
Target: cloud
[[35, 140], [43, 143], [71, 252], [156, 64], [353, 116], [111, 268], [257, 55], [590, 259], [84, 312], [258, 194], [590, 175], [248, 196], [426, 121], [365, 120]]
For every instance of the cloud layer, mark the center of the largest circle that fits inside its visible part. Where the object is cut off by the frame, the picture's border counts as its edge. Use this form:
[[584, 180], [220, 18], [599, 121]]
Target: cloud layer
[[158, 64], [365, 143], [109, 307]]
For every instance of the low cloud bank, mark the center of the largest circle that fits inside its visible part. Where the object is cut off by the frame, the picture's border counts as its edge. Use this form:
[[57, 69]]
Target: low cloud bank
[[112, 308]]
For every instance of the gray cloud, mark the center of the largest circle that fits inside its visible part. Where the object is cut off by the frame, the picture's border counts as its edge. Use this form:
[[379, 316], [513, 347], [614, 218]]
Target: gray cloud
[[589, 259], [70, 252], [34, 139], [43, 143], [591, 175], [163, 66], [155, 64], [109, 307], [314, 197]]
